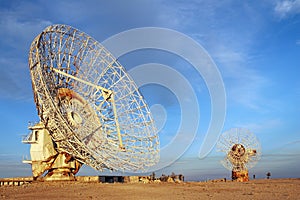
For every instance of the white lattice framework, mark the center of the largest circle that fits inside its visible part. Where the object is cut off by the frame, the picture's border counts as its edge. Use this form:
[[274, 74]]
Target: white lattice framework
[[90, 105], [241, 147]]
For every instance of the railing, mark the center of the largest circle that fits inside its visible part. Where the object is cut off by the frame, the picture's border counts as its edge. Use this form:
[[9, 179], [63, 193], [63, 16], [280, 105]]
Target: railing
[[28, 139], [26, 160]]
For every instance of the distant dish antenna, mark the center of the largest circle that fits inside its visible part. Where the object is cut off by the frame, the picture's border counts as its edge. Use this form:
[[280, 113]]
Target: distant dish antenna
[[242, 151], [91, 111]]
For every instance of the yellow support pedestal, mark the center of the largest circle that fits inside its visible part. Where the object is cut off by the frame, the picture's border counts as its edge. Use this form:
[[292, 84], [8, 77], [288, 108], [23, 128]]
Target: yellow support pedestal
[[240, 176]]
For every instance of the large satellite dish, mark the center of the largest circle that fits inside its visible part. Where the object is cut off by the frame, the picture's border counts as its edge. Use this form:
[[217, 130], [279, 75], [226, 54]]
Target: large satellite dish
[[87, 102], [242, 151]]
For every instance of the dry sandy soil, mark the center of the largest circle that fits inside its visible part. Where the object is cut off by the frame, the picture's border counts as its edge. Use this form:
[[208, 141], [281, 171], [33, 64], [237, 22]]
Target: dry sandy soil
[[254, 189]]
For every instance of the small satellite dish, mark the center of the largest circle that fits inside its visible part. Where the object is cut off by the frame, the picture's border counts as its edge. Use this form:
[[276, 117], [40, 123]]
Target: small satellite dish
[[242, 151], [88, 105]]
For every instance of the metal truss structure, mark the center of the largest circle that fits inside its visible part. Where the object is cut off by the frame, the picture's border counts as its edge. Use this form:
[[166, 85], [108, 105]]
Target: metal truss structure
[[89, 104], [241, 147]]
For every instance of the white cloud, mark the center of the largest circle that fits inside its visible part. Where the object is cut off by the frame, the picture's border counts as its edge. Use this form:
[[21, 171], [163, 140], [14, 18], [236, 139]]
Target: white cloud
[[260, 127], [229, 39], [19, 34], [246, 86], [244, 82], [14, 79], [286, 8]]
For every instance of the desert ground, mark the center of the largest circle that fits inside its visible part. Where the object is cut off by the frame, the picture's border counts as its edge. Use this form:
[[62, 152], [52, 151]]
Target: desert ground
[[254, 189]]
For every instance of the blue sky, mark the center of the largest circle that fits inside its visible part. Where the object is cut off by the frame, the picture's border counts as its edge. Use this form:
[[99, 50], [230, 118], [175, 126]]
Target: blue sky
[[254, 44]]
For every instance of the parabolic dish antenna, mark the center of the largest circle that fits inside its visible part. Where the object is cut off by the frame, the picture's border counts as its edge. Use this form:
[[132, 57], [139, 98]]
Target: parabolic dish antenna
[[87, 102], [242, 151]]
